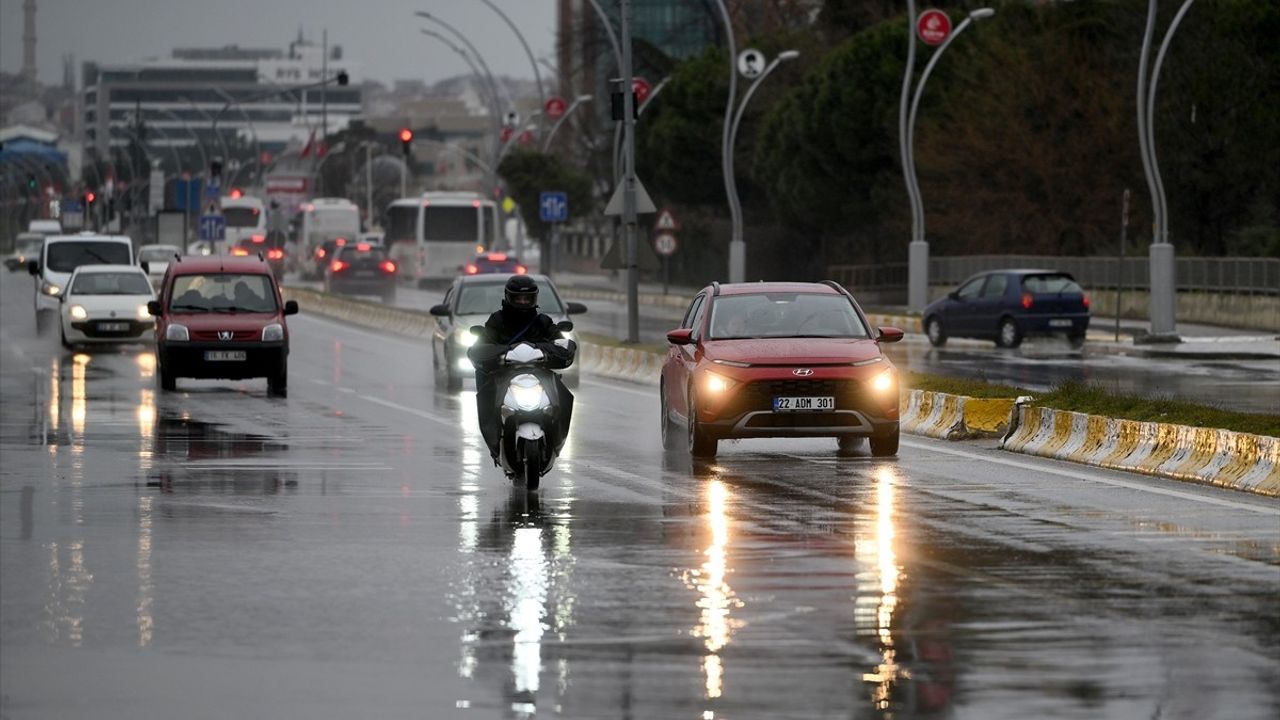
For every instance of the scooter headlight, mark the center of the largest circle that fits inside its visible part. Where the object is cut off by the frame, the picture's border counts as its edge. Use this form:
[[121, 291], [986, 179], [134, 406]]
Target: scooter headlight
[[526, 393]]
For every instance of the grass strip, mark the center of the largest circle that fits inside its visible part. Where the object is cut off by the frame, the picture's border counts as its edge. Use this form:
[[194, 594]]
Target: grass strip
[[1083, 397]]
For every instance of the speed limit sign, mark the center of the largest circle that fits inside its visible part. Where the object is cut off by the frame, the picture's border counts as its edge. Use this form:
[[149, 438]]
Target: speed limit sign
[[665, 244]]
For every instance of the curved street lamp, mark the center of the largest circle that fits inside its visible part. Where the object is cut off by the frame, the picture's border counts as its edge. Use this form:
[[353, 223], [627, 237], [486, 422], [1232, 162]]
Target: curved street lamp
[[490, 97], [735, 205], [737, 251], [537, 75], [546, 143], [918, 250]]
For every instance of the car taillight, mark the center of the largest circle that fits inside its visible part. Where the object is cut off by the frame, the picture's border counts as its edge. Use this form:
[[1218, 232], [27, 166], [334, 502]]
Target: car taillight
[[275, 254], [320, 253], [498, 257], [258, 239], [388, 266], [472, 269], [1026, 301], [521, 270], [1085, 300], [341, 241], [239, 251], [337, 266], [362, 247]]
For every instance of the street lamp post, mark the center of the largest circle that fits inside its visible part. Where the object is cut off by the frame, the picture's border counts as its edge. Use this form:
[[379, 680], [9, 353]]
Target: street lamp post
[[493, 84], [918, 250], [495, 112], [546, 143], [738, 259], [737, 250], [537, 74], [1162, 261]]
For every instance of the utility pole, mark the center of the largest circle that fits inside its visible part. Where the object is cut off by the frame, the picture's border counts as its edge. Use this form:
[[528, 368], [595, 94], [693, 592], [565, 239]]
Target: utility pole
[[324, 91], [1124, 232], [629, 218]]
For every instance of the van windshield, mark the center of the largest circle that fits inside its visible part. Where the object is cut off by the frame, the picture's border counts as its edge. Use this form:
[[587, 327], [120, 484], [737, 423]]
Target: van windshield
[[451, 224], [240, 217], [402, 223], [223, 292], [65, 257]]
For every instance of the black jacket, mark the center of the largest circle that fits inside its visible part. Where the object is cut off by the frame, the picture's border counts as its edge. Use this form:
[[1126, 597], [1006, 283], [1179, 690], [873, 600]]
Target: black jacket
[[501, 329]]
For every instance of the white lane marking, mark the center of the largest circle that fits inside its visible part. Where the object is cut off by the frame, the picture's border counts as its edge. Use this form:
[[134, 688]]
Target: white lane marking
[[1086, 472], [404, 408], [618, 387]]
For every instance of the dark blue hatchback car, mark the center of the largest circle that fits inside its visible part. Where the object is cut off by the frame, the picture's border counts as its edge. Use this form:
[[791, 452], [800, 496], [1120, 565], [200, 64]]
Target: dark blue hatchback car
[[1009, 305]]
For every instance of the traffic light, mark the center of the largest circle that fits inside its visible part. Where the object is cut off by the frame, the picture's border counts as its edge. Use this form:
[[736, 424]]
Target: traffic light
[[342, 78], [89, 197], [235, 194], [215, 170], [31, 181], [406, 140]]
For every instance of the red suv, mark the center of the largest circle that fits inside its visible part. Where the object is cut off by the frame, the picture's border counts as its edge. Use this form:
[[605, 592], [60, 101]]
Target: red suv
[[779, 360], [222, 316]]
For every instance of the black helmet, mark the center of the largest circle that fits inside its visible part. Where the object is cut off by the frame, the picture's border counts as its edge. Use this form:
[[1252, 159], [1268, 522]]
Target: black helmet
[[521, 292]]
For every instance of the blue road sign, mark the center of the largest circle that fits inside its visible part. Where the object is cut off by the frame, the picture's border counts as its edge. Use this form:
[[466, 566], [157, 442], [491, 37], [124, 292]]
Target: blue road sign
[[553, 207], [213, 227], [72, 205]]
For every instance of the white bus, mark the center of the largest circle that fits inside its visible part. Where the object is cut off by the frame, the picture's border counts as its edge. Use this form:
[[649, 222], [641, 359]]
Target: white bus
[[321, 220], [431, 237]]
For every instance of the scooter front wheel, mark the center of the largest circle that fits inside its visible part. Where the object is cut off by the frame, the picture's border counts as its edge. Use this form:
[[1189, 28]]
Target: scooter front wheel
[[532, 474]]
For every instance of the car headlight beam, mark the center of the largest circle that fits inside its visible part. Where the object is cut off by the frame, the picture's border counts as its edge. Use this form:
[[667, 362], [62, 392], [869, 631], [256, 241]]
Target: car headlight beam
[[466, 339], [77, 312], [143, 313], [51, 289], [885, 382], [717, 383]]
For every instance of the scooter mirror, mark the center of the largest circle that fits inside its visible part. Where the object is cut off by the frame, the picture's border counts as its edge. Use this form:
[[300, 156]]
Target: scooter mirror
[[564, 326]]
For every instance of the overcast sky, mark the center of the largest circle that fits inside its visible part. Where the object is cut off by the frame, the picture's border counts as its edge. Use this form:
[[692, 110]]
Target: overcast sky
[[381, 35]]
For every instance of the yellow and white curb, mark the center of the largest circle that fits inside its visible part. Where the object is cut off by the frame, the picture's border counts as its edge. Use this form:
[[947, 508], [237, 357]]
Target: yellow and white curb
[[620, 363], [1240, 461], [954, 417]]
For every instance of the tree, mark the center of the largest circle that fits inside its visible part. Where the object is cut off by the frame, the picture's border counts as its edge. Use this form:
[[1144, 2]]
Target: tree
[[529, 173]]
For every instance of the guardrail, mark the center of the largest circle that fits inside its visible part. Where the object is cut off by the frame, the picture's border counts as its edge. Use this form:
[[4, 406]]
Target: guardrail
[[1229, 275]]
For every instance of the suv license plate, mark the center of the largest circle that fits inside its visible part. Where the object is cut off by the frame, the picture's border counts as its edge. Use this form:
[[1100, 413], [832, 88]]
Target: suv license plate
[[113, 327], [802, 404], [224, 355], [1060, 322]]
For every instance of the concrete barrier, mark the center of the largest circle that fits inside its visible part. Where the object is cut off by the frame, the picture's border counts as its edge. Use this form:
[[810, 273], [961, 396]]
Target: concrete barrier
[[1240, 461], [954, 417]]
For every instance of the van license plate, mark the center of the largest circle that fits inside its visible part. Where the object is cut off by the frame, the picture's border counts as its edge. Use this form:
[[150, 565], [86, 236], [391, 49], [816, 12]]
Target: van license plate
[[113, 327], [224, 355], [801, 404], [1060, 322]]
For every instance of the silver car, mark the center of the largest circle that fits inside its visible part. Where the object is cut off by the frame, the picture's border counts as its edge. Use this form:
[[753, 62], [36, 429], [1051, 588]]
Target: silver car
[[469, 301]]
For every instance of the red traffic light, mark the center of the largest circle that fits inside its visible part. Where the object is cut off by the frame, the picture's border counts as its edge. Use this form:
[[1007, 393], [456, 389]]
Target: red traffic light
[[90, 197], [406, 135]]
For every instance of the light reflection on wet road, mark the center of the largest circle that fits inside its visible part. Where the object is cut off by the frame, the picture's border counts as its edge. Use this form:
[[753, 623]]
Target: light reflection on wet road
[[349, 552]]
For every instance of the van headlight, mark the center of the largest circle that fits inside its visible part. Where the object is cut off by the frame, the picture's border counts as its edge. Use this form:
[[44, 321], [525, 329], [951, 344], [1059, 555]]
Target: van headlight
[[273, 333], [526, 393], [51, 289], [177, 333], [77, 312]]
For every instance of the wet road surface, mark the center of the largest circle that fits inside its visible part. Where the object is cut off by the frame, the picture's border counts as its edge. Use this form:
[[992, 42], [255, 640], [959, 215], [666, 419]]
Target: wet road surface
[[349, 552]]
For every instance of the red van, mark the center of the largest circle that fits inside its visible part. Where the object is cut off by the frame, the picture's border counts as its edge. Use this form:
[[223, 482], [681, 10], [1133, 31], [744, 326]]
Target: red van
[[222, 317]]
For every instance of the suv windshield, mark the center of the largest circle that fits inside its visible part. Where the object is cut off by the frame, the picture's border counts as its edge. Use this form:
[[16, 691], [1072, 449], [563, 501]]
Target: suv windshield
[[223, 292], [485, 298], [1038, 284], [784, 315], [67, 256], [111, 283]]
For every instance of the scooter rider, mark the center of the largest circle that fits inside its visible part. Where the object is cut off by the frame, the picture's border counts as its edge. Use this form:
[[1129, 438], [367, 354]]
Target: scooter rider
[[518, 322]]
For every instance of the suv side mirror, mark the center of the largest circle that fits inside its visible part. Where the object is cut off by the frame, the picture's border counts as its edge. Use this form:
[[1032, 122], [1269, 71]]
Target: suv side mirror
[[889, 335], [683, 336], [574, 308], [33, 268], [441, 310], [291, 307], [153, 308]]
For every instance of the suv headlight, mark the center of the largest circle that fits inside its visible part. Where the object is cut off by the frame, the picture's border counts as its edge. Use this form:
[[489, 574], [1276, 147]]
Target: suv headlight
[[273, 333], [885, 382], [77, 312], [716, 384], [177, 333], [49, 288]]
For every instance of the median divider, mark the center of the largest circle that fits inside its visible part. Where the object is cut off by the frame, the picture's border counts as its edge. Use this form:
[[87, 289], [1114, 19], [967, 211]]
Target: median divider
[[1236, 460], [954, 417]]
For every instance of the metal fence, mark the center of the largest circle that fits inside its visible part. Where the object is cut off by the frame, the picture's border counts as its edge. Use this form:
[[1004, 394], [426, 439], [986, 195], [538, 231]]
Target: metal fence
[[1231, 275]]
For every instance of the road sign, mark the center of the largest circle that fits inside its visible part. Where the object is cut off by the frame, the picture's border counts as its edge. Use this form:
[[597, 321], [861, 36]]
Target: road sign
[[751, 63], [555, 107], [641, 88], [644, 203], [213, 227], [665, 244], [508, 205], [553, 207], [666, 222], [933, 27], [505, 134], [526, 137]]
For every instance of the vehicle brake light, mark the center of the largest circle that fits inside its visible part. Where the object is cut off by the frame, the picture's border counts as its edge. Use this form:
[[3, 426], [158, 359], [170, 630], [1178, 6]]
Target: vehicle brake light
[[240, 252], [1026, 301], [320, 253], [1085, 300], [341, 241], [363, 247], [388, 266], [337, 266], [275, 254], [259, 239], [498, 257], [472, 269], [521, 270], [475, 203]]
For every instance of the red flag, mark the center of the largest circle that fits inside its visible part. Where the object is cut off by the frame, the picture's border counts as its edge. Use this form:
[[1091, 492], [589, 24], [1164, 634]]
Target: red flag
[[306, 149]]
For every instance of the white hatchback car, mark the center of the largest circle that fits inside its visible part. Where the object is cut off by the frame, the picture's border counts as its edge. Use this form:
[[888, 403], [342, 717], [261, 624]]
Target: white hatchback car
[[106, 304]]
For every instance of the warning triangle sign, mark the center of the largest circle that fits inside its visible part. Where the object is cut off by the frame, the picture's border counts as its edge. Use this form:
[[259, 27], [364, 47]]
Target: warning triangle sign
[[666, 221], [644, 203]]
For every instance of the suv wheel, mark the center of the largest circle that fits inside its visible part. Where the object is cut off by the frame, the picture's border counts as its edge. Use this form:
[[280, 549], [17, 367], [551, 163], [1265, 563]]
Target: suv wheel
[[668, 431], [1009, 335], [700, 445], [885, 445]]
